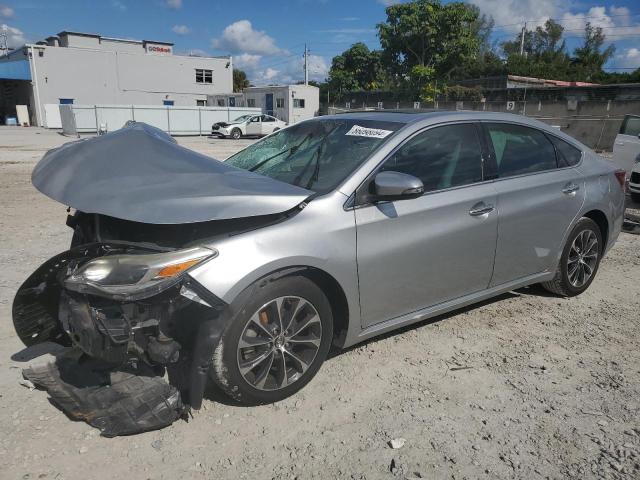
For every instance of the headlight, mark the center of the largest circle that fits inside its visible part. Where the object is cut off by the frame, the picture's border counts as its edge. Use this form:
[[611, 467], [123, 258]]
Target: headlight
[[131, 277]]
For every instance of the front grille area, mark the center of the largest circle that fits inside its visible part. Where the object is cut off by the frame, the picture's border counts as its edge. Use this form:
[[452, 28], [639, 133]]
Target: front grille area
[[635, 177]]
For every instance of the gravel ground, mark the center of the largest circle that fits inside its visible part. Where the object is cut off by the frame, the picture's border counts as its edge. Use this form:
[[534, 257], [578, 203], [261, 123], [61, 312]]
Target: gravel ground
[[524, 386]]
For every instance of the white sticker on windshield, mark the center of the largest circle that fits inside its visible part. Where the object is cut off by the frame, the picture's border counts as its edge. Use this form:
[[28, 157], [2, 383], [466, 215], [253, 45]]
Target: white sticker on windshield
[[358, 131]]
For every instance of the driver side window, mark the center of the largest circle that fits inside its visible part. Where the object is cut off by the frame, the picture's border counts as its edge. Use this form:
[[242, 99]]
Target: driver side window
[[442, 157]]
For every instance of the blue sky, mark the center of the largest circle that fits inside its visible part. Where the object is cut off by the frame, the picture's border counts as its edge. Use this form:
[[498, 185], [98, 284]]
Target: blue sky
[[267, 38]]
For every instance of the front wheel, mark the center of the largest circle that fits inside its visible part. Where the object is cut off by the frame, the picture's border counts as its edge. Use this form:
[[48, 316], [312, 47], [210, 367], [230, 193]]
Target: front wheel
[[580, 260], [275, 343], [236, 133]]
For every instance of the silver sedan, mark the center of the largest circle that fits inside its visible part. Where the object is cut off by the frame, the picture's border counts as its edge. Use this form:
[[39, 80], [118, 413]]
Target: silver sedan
[[330, 231]]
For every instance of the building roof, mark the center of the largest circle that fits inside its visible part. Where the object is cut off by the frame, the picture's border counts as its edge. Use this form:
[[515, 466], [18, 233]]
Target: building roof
[[97, 35]]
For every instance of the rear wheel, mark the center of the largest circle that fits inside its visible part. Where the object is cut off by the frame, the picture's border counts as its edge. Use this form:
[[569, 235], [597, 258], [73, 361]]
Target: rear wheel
[[236, 133], [580, 260], [275, 343]]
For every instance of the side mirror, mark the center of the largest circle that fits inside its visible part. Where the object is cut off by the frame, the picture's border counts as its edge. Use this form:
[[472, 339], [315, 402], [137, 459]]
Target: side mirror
[[396, 186]]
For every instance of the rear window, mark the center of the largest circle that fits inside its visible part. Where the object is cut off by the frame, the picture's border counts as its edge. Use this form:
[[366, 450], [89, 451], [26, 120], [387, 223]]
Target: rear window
[[568, 155], [520, 150], [630, 126]]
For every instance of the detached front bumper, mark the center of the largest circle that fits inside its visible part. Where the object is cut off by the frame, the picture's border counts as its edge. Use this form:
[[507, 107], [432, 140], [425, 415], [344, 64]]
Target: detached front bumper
[[174, 331]]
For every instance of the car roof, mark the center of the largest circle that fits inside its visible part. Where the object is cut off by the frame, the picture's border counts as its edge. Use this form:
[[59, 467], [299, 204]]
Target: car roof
[[414, 116], [423, 118]]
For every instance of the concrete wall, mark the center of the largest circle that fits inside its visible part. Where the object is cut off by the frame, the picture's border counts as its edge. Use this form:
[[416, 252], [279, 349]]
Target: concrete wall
[[594, 122], [91, 76]]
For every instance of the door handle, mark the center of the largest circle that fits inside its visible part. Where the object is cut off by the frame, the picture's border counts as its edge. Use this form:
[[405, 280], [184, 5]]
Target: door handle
[[480, 209], [570, 188]]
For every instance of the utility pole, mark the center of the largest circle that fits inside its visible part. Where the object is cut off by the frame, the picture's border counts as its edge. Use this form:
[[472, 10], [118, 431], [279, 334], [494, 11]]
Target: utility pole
[[4, 47], [306, 66], [524, 29]]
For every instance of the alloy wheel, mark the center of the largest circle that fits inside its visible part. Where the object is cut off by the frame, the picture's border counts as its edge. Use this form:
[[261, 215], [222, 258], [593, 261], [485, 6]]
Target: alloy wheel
[[279, 343], [583, 258]]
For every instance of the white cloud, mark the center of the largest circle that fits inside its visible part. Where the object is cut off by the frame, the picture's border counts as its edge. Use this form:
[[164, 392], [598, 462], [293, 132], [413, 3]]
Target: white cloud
[[616, 24], [629, 58], [246, 61], [388, 3], [118, 5], [241, 37], [291, 71], [513, 13], [269, 74], [15, 36], [6, 11], [174, 4], [181, 29]]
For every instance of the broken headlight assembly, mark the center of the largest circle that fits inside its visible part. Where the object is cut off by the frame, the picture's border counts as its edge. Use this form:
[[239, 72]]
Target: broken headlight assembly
[[131, 277]]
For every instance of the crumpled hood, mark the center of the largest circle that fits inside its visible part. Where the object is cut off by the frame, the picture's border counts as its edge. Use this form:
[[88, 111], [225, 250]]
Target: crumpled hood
[[140, 173]]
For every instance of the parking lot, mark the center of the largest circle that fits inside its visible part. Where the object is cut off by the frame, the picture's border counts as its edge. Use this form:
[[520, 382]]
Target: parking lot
[[527, 385]]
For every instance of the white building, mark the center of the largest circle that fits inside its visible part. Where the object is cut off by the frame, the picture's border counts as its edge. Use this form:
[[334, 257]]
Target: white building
[[290, 103], [89, 69]]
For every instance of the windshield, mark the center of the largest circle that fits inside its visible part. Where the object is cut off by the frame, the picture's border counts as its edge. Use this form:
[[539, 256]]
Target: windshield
[[317, 154], [243, 118]]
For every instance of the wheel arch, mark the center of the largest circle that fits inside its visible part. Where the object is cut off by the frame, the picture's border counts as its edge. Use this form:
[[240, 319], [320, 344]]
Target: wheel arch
[[599, 217], [330, 287]]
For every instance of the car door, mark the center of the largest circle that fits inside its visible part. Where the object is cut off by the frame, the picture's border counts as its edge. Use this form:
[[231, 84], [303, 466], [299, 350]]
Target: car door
[[254, 126], [626, 147], [268, 124], [419, 252], [538, 199]]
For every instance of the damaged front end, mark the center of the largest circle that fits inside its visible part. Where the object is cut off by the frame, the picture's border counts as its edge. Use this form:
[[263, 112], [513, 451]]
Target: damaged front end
[[129, 314]]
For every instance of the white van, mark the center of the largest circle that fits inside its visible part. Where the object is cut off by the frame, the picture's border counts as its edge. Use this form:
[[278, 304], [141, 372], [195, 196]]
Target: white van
[[626, 153]]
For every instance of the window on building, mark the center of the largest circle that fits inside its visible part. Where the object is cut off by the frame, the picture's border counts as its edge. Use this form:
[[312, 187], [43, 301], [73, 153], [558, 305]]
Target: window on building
[[568, 155], [298, 103], [201, 103], [279, 102], [66, 101], [441, 157], [204, 76], [251, 102], [520, 150], [221, 102]]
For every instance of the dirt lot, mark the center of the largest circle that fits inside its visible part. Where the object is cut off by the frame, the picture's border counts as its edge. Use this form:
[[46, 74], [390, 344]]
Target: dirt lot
[[525, 386]]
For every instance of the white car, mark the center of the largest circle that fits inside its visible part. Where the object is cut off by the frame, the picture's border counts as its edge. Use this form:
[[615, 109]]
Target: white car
[[248, 125], [626, 153]]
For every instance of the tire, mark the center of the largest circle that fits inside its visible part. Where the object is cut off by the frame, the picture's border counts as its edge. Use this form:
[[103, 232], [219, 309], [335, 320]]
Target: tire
[[236, 133], [567, 282], [264, 382], [635, 197]]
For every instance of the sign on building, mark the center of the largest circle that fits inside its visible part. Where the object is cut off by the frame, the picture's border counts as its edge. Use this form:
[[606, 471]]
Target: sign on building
[[380, 106], [511, 106]]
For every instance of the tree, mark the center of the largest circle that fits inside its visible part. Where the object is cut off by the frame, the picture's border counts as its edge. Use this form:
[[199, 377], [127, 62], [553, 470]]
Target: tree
[[544, 53], [424, 40], [590, 57], [240, 81], [357, 68]]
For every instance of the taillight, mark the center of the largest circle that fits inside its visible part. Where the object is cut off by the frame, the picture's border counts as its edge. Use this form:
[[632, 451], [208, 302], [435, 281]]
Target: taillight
[[621, 176]]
